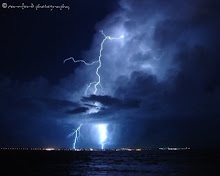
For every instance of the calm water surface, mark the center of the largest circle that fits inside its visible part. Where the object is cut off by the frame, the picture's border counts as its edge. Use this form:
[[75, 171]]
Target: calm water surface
[[150, 163]]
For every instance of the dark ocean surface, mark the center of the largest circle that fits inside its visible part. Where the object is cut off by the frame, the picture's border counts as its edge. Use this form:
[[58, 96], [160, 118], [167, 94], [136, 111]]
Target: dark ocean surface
[[122, 163]]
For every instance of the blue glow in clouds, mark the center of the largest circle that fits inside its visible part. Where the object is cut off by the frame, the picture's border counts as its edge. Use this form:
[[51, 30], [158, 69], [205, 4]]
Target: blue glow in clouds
[[102, 131]]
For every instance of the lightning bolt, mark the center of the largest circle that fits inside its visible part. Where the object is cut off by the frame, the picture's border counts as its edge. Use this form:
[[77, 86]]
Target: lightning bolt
[[99, 61], [76, 133], [75, 61], [97, 83], [102, 128]]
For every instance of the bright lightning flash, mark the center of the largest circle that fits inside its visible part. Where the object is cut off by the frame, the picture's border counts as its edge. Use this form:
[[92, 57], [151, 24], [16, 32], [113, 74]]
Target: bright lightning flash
[[102, 130], [76, 135], [99, 61]]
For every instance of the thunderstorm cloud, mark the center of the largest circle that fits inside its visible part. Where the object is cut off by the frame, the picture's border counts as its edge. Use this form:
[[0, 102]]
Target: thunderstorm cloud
[[160, 82]]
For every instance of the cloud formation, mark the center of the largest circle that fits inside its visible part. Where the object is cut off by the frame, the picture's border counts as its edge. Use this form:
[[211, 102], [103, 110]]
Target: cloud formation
[[161, 82], [169, 62]]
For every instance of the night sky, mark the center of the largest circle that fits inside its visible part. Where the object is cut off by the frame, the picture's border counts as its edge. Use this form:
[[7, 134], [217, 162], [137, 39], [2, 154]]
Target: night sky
[[160, 83]]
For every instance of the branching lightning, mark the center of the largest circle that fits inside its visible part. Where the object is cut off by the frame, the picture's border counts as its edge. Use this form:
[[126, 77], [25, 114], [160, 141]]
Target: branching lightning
[[102, 128], [76, 133], [99, 61], [75, 61]]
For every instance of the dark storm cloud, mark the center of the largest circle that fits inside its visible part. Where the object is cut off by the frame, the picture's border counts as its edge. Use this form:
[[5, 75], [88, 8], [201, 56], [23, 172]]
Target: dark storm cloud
[[112, 101], [36, 94], [105, 100], [89, 105], [78, 110], [57, 104]]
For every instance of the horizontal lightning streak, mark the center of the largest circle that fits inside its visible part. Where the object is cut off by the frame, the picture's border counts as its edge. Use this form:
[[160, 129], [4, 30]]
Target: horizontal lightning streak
[[75, 61]]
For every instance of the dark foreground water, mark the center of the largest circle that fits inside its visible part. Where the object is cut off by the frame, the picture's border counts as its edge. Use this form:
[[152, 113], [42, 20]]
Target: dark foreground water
[[151, 163]]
